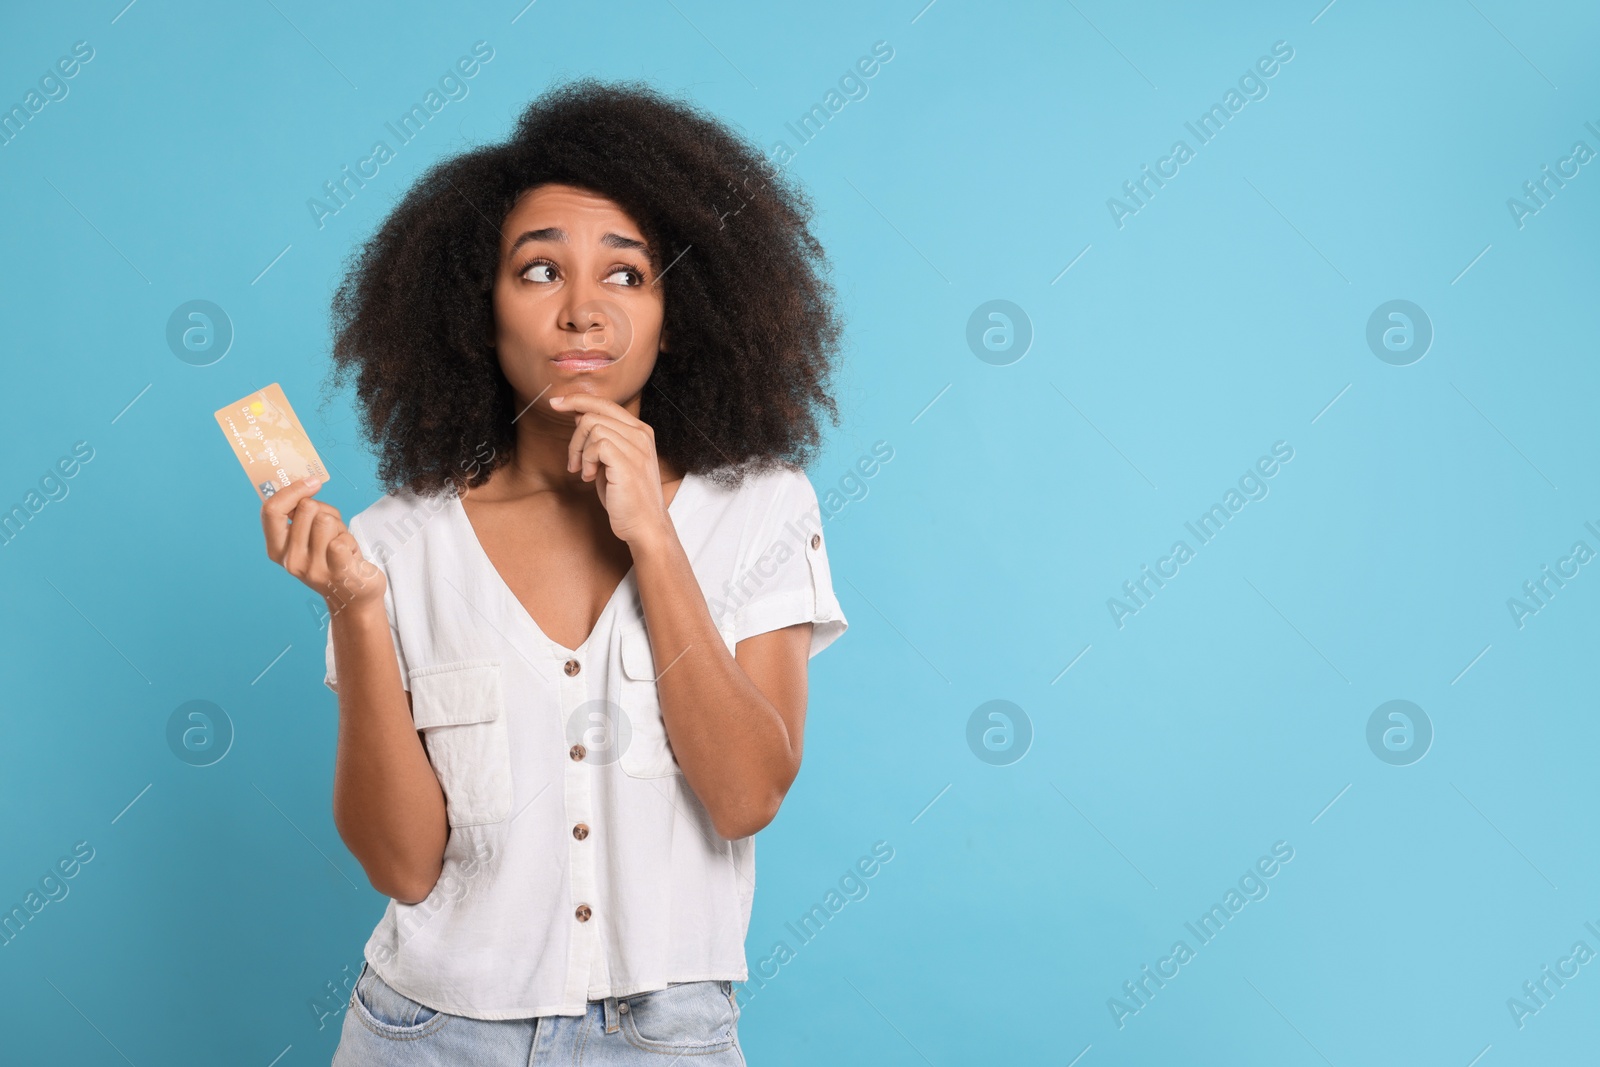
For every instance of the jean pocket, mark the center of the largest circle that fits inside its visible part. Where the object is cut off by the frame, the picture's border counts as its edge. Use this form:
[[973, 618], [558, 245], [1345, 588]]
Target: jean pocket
[[460, 710], [648, 751], [389, 1013], [684, 1019]]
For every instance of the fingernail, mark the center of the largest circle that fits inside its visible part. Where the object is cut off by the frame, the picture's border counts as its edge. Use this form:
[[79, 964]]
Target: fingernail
[[312, 483]]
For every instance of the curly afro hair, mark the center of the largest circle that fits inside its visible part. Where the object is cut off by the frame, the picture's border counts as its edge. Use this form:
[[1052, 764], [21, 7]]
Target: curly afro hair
[[747, 302]]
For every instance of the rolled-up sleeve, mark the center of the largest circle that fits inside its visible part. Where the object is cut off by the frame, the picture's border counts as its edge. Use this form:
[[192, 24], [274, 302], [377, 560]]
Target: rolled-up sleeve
[[785, 568]]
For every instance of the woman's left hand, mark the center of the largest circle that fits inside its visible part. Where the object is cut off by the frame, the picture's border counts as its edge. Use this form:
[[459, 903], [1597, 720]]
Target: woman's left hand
[[618, 453]]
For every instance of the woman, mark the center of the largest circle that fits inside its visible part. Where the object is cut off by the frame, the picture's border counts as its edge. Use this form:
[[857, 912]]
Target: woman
[[570, 644]]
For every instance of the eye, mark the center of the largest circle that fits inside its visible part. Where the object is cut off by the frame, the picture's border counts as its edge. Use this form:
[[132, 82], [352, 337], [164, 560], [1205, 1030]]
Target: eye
[[528, 272], [638, 278]]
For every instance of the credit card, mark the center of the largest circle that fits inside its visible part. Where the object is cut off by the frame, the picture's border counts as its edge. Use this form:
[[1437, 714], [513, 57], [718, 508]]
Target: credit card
[[269, 441]]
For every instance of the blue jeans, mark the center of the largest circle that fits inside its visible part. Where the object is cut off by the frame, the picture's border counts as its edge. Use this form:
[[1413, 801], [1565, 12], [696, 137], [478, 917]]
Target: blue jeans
[[694, 1021]]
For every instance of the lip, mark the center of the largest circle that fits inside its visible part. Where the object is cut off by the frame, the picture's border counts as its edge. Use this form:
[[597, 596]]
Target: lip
[[581, 359]]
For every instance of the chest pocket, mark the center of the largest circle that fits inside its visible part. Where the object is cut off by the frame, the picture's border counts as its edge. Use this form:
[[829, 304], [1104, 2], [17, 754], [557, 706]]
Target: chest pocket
[[649, 752], [461, 712]]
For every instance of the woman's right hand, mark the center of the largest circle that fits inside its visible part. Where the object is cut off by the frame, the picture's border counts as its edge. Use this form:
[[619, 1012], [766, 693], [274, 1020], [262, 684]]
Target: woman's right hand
[[317, 548]]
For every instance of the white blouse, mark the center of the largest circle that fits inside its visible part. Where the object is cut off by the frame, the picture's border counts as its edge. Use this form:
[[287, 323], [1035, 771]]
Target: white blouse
[[579, 864]]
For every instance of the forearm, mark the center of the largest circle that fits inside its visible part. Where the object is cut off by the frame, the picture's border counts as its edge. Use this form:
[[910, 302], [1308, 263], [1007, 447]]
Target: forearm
[[387, 803], [732, 743]]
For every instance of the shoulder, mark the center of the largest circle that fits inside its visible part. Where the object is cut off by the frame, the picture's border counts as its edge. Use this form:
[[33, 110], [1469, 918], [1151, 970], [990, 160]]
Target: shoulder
[[763, 500], [773, 504], [762, 490]]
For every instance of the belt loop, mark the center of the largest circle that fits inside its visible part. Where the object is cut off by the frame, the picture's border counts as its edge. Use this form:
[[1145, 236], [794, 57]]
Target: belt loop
[[612, 1026]]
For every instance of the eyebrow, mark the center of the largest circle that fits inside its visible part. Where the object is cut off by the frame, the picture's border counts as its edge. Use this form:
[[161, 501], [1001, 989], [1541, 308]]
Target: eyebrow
[[555, 233]]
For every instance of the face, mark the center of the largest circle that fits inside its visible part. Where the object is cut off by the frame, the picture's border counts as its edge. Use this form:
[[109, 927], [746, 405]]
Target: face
[[576, 304]]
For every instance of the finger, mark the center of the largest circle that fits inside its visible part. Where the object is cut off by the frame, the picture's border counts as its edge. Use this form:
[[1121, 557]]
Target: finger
[[294, 557], [288, 498], [592, 459], [587, 403], [324, 528], [342, 553], [348, 570], [342, 550], [605, 447], [275, 515], [586, 426], [580, 436]]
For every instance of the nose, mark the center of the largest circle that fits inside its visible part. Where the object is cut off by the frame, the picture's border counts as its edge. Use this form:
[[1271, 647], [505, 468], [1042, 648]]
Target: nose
[[594, 325], [589, 316], [582, 318], [594, 321]]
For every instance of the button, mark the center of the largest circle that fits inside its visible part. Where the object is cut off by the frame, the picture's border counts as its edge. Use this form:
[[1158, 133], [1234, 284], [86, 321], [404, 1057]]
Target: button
[[580, 831], [583, 913], [816, 540], [572, 666], [576, 752], [622, 1006]]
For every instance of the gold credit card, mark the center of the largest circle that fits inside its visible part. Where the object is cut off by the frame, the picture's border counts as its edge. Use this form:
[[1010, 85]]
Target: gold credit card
[[269, 441]]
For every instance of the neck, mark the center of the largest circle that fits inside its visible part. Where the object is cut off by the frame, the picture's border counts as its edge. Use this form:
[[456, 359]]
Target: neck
[[539, 457]]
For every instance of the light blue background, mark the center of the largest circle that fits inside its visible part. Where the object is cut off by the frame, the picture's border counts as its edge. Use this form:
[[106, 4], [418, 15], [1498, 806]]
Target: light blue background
[[1228, 314]]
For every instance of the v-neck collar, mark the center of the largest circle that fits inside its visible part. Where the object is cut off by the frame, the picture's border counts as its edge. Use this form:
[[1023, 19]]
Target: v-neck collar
[[460, 512]]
